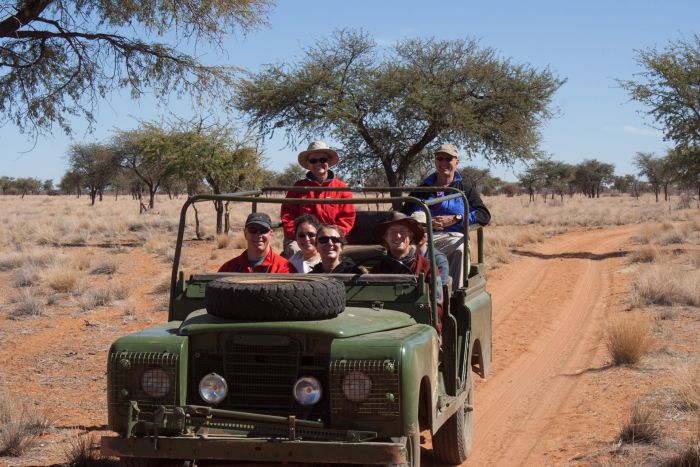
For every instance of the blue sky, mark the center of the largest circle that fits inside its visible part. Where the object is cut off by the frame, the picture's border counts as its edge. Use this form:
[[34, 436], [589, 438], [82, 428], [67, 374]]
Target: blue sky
[[590, 43]]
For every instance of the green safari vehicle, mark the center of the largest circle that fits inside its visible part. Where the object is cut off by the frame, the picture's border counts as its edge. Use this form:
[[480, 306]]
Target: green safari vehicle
[[314, 368]]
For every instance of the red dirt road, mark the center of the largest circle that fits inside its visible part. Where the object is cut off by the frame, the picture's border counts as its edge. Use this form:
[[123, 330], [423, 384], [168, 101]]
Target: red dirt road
[[536, 406]]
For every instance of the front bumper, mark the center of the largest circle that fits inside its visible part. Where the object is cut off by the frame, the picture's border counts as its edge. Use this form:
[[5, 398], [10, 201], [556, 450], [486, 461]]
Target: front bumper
[[212, 447], [203, 433]]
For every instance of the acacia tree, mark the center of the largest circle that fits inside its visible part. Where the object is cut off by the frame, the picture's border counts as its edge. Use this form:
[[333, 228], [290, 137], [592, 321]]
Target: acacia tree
[[670, 87], [58, 58], [655, 170], [387, 107], [95, 164], [591, 174], [685, 163]]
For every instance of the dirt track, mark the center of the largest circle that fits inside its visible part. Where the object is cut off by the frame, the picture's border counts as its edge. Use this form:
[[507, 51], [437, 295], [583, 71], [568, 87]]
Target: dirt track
[[535, 407], [541, 404]]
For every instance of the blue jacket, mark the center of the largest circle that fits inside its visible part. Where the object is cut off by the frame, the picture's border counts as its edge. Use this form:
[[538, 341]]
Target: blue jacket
[[478, 212]]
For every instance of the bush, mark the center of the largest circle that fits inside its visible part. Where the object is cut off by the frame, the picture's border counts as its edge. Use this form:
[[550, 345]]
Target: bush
[[643, 427], [645, 254], [666, 285], [688, 457], [27, 304], [61, 279], [84, 451], [19, 427], [686, 386], [105, 267], [627, 337], [222, 241]]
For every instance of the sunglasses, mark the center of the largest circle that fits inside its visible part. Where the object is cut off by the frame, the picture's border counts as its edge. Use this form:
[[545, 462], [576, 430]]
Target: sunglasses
[[325, 239], [306, 235], [322, 160], [444, 158], [257, 230]]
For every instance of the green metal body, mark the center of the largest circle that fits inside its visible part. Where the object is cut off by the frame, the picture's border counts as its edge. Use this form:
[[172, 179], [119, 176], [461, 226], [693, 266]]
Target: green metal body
[[386, 332]]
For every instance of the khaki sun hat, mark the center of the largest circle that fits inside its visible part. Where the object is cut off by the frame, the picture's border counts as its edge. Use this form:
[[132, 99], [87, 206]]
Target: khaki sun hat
[[399, 218], [318, 147], [449, 149], [420, 217]]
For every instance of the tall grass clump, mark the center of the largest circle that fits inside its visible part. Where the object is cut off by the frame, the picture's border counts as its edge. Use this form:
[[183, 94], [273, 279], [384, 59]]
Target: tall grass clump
[[685, 382], [666, 285], [27, 303], [689, 456], [61, 279], [644, 425], [105, 267], [627, 337], [222, 241], [84, 451], [645, 254], [19, 427]]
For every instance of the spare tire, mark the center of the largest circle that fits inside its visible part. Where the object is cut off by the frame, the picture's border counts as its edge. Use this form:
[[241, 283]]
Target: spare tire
[[275, 298]]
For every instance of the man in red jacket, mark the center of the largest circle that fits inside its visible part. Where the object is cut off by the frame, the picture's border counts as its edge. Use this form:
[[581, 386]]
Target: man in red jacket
[[258, 256], [318, 159]]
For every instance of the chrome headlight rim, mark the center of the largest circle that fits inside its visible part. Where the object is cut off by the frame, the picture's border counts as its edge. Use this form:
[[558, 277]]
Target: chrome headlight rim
[[156, 382], [213, 388], [308, 391], [357, 386]]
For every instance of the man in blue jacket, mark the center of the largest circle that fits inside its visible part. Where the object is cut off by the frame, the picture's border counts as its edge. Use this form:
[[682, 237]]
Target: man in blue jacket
[[448, 216]]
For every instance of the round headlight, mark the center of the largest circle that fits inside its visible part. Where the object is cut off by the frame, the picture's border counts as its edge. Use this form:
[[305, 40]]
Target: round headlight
[[307, 390], [155, 382], [213, 388], [356, 386]]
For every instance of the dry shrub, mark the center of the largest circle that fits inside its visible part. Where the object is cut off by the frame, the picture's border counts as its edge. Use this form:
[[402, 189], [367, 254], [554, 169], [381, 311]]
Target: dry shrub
[[666, 285], [163, 287], [627, 337], [671, 236], [19, 426], [27, 303], [222, 241], [61, 279], [161, 245], [645, 254], [120, 291], [688, 457], [105, 267], [9, 261], [93, 298], [238, 240], [26, 276], [84, 451], [686, 386], [644, 425]]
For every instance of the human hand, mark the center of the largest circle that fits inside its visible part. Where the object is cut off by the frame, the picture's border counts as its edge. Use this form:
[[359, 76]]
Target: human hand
[[442, 222]]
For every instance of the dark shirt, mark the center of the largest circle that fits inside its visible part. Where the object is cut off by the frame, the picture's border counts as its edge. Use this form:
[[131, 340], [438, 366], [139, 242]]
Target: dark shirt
[[346, 266]]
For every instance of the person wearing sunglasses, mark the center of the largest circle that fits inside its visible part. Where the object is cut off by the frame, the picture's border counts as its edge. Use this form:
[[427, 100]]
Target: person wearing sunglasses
[[448, 216], [329, 243], [305, 229], [258, 255], [317, 159]]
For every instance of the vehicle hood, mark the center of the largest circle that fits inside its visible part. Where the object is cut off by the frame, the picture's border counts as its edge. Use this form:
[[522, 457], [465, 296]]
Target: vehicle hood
[[351, 322]]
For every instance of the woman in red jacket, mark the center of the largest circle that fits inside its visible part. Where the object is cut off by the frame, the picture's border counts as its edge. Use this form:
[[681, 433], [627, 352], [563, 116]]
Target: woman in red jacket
[[318, 159]]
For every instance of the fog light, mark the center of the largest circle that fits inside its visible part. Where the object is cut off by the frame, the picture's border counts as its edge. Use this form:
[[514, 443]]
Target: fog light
[[155, 382], [213, 388], [356, 386], [307, 390]]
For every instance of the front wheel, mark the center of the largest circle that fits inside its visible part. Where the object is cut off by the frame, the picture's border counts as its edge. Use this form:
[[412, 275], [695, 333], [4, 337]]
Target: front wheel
[[453, 441]]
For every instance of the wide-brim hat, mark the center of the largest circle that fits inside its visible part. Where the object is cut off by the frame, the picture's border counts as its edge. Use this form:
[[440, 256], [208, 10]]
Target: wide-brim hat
[[449, 149], [316, 147], [399, 218]]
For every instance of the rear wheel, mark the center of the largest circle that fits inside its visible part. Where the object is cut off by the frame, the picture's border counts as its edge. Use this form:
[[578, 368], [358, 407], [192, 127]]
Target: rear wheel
[[453, 441]]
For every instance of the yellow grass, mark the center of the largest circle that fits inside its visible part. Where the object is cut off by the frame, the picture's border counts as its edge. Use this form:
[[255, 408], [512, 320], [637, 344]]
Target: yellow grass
[[627, 337], [666, 284], [685, 382]]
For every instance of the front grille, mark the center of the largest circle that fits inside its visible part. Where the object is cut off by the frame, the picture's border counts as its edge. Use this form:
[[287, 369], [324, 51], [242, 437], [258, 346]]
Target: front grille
[[384, 397], [261, 376], [124, 379]]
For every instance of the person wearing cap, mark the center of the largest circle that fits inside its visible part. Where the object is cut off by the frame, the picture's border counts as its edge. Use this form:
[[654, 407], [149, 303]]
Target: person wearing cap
[[317, 159], [400, 235], [448, 216], [258, 255], [440, 259]]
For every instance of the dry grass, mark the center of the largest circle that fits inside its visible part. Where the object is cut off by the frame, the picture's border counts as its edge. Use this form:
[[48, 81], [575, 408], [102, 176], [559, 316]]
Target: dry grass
[[26, 276], [627, 337], [62, 279], [685, 382], [19, 426], [222, 241], [644, 425], [26, 304], [645, 254], [84, 451], [666, 284], [689, 456], [95, 297], [105, 267]]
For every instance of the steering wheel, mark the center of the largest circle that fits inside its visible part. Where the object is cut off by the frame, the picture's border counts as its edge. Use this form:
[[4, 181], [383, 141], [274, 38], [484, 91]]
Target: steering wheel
[[387, 259]]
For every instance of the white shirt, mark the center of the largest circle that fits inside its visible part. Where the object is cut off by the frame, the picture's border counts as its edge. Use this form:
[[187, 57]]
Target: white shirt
[[302, 265]]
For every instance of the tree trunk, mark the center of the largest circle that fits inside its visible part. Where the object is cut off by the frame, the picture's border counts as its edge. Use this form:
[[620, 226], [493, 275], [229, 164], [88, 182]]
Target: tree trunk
[[227, 216], [219, 206], [196, 222], [151, 197]]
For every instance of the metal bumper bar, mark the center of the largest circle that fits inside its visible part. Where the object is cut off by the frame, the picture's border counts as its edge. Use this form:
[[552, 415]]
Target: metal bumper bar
[[211, 447]]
